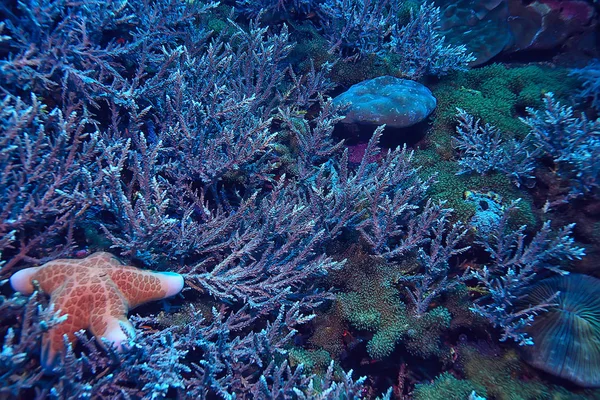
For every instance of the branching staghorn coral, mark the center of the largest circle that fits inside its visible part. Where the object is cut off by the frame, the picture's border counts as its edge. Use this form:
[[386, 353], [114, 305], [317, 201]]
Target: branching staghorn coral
[[235, 360], [274, 7], [482, 150], [18, 370], [423, 287], [572, 142], [358, 27], [56, 46], [556, 133], [47, 176], [421, 47], [514, 266], [590, 75]]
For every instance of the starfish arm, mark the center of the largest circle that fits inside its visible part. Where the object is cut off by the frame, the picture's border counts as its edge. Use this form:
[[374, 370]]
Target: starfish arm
[[116, 330], [50, 276], [66, 300], [54, 274], [108, 317], [140, 287]]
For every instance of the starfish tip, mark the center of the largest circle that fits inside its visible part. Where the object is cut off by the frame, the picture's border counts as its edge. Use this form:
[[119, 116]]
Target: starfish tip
[[172, 282], [118, 332], [21, 281]]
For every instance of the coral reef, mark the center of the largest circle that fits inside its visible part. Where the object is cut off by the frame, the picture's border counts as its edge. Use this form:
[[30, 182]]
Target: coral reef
[[497, 94], [572, 142], [482, 150], [590, 74], [504, 377], [422, 48], [198, 141], [447, 386]]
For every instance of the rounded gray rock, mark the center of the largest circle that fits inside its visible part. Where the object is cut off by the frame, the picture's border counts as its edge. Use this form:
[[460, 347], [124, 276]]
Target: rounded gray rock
[[387, 100]]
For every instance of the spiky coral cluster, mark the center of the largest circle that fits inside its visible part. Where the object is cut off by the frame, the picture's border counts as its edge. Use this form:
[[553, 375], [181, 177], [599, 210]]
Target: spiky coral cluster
[[183, 134], [572, 142], [359, 28], [590, 75], [374, 303], [482, 150], [156, 363], [556, 133], [514, 266]]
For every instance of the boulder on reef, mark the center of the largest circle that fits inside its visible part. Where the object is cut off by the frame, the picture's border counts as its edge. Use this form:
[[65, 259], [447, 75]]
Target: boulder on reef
[[396, 102]]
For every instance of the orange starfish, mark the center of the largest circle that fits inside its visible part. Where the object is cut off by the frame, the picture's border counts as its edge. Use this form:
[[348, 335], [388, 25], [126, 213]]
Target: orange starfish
[[95, 293]]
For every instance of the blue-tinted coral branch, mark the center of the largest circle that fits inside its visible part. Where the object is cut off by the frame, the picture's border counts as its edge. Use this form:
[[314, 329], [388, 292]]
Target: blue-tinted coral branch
[[590, 75], [432, 279], [386, 199], [357, 27], [55, 44], [572, 142], [272, 250], [255, 8], [312, 139], [235, 360], [482, 150], [421, 47], [328, 388], [18, 370], [47, 178], [514, 267]]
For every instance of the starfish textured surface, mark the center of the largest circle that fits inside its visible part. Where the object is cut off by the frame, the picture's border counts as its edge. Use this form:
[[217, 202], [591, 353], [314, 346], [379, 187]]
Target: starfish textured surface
[[96, 293]]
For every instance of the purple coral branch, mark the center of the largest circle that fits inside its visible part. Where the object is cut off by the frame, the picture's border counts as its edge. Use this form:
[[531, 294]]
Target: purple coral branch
[[515, 264]]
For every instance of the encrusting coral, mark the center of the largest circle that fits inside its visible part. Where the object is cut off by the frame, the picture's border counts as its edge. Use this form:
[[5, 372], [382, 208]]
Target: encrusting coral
[[95, 293]]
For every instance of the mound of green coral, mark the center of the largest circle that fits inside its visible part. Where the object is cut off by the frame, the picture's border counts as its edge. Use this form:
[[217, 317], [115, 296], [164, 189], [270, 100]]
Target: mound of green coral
[[373, 305], [505, 377], [452, 188], [447, 387], [496, 94]]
